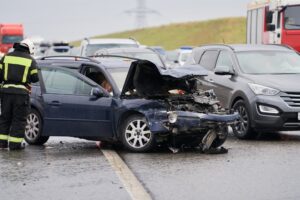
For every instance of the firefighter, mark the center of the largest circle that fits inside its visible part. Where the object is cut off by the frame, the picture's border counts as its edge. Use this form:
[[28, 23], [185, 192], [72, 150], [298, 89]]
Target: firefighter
[[17, 71]]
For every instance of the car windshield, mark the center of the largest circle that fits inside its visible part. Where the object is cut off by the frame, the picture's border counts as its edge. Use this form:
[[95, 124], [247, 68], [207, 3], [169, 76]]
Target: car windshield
[[184, 56], [10, 39], [152, 57], [172, 56], [269, 62], [119, 75], [92, 48], [292, 17]]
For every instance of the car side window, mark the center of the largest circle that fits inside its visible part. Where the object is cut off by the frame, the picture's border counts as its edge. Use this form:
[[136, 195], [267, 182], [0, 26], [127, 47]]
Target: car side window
[[224, 59], [63, 82], [208, 59]]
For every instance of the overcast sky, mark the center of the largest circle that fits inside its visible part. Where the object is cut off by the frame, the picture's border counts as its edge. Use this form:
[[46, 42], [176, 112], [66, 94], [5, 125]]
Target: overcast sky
[[76, 19]]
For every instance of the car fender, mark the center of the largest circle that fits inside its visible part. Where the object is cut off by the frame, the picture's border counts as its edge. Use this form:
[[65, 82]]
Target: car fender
[[154, 111], [239, 95]]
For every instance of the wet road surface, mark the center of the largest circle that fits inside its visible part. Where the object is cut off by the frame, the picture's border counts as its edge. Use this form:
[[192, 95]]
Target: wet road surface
[[267, 168], [71, 169]]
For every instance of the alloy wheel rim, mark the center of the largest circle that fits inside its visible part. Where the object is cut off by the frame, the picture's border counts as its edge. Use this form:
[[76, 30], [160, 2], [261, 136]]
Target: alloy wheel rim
[[32, 127], [138, 134], [242, 125]]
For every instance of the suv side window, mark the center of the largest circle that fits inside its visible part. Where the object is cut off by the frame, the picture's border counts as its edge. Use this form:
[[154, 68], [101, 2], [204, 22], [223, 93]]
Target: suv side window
[[63, 82], [208, 59], [224, 59]]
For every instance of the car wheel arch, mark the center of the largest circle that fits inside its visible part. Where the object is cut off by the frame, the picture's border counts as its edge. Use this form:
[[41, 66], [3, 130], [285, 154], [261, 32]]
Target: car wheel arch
[[123, 117], [239, 96], [38, 110]]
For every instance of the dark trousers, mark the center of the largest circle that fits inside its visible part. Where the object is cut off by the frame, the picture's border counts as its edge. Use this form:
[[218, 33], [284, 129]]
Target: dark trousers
[[14, 111]]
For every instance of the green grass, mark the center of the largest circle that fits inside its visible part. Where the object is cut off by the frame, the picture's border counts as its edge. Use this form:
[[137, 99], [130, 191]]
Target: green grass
[[225, 30]]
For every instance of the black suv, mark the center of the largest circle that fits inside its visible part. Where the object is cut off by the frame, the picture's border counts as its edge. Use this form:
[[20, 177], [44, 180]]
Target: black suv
[[258, 81]]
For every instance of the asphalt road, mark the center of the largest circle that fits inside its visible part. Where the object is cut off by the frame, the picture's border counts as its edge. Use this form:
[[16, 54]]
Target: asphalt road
[[67, 168]]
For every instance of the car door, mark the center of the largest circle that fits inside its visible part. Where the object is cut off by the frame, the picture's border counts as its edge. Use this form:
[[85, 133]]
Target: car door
[[208, 61], [69, 108], [224, 84]]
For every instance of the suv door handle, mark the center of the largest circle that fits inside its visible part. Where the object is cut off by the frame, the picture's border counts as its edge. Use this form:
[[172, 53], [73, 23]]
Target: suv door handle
[[55, 103]]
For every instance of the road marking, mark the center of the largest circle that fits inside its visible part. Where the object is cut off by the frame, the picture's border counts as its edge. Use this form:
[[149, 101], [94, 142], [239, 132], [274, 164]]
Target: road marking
[[129, 180]]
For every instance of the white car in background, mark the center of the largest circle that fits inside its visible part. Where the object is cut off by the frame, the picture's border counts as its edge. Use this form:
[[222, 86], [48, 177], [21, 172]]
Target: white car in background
[[178, 57], [88, 47], [58, 49]]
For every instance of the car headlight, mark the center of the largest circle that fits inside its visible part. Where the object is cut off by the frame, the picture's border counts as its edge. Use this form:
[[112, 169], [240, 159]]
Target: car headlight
[[172, 117], [263, 90]]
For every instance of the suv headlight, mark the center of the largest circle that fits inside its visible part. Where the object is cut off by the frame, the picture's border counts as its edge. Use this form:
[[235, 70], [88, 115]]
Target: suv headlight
[[263, 90]]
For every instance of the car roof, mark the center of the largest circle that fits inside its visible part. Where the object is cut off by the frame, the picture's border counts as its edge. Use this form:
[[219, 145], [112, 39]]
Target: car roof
[[111, 40], [249, 47], [126, 50], [74, 62]]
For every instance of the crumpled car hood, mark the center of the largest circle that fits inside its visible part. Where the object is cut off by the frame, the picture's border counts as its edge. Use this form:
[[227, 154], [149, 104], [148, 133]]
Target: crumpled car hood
[[148, 80]]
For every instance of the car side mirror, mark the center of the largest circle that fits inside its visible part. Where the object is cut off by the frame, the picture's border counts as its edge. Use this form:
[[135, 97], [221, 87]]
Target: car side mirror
[[269, 17], [223, 70], [176, 61], [96, 92], [271, 27]]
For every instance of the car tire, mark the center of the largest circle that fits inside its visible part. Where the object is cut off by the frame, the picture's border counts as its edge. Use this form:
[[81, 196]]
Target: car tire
[[136, 135], [33, 129], [219, 141], [243, 128]]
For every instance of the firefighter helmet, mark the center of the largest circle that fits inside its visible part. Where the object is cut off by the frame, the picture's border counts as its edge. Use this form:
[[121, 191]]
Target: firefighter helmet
[[29, 44]]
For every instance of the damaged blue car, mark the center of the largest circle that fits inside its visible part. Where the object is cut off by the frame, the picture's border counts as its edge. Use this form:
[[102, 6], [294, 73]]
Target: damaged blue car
[[141, 106]]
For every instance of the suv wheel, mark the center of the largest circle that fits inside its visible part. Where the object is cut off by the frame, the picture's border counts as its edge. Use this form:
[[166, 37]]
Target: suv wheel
[[243, 128], [136, 135], [33, 129]]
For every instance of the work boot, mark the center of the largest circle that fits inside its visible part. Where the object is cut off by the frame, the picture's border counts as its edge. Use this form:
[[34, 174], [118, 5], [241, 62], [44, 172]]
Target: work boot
[[3, 144], [16, 146]]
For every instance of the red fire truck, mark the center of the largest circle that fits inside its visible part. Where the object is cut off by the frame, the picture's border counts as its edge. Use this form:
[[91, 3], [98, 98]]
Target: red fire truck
[[274, 22], [9, 34]]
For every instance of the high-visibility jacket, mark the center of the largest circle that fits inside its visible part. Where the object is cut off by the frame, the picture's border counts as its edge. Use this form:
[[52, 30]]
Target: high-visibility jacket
[[17, 70]]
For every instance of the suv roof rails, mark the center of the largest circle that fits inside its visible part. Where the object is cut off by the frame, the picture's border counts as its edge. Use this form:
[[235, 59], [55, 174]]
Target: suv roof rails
[[114, 56], [75, 58], [135, 40], [283, 45], [225, 45]]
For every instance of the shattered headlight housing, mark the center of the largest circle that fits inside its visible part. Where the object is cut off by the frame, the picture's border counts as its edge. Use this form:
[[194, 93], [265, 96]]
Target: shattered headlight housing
[[172, 117]]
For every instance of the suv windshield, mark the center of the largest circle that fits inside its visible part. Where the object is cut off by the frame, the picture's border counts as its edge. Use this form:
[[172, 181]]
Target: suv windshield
[[292, 18], [92, 48], [10, 39], [269, 62]]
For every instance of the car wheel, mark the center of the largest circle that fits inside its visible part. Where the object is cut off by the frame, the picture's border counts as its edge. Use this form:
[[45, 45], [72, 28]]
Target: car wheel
[[243, 127], [219, 141], [136, 135], [33, 129]]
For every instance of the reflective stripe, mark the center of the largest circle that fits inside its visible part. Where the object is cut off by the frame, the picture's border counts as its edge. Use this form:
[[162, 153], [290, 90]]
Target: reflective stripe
[[15, 139], [25, 62], [5, 71], [3, 137], [17, 61], [25, 74], [14, 86], [33, 72]]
